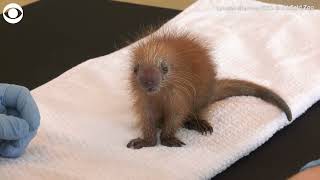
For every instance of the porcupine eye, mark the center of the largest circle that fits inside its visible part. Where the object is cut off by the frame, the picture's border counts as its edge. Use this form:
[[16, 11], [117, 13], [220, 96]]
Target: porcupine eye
[[164, 68], [136, 68]]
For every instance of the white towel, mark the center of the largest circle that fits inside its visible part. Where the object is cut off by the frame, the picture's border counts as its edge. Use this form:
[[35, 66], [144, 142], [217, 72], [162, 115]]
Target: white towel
[[87, 121]]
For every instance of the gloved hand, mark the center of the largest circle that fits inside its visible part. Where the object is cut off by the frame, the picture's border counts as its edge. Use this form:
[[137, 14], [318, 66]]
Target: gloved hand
[[19, 120]]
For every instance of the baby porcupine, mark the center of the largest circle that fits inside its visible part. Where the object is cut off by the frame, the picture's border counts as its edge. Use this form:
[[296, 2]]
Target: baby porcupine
[[173, 80]]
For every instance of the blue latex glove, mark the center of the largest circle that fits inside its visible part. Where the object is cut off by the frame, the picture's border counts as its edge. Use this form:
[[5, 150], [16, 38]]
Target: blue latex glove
[[19, 120]]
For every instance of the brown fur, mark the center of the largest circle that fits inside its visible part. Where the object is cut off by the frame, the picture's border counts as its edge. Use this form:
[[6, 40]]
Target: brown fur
[[182, 93]]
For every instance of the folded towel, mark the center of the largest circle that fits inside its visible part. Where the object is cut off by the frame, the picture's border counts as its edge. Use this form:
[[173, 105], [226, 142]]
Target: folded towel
[[87, 120]]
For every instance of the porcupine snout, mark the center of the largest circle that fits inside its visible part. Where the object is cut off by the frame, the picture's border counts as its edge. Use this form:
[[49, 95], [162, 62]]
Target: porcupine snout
[[149, 78]]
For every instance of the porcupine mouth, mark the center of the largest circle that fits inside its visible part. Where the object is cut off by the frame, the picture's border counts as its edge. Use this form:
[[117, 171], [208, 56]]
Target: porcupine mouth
[[151, 90]]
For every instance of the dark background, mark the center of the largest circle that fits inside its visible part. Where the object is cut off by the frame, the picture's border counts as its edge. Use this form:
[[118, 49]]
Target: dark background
[[56, 35]]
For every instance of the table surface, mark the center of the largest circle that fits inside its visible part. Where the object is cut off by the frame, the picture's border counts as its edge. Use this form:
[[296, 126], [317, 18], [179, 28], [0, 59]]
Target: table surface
[[180, 4], [57, 35]]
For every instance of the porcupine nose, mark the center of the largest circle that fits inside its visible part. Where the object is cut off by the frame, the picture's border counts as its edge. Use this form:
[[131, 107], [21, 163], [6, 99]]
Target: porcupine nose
[[149, 79], [150, 85]]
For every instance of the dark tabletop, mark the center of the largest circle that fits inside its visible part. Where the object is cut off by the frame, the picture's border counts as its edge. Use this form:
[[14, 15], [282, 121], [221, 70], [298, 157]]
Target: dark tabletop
[[56, 35]]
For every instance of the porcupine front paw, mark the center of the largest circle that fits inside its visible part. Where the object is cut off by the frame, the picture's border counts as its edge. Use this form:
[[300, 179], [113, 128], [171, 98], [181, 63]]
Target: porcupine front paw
[[139, 143], [172, 142]]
